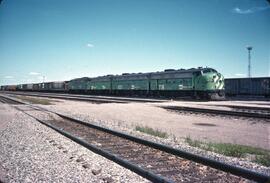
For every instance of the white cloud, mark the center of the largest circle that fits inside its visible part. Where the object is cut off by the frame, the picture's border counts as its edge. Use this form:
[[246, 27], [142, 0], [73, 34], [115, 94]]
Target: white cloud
[[89, 45], [34, 73], [249, 11], [9, 77], [239, 74]]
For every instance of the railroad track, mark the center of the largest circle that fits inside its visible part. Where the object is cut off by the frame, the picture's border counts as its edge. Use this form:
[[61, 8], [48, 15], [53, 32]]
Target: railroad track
[[156, 162], [239, 112], [250, 109], [6, 100], [87, 98]]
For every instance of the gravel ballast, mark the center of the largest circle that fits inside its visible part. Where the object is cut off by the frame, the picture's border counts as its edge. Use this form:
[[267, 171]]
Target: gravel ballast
[[31, 152], [124, 117]]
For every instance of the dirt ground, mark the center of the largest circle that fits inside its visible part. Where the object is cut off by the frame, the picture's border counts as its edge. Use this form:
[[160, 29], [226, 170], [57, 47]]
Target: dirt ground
[[235, 130], [6, 115]]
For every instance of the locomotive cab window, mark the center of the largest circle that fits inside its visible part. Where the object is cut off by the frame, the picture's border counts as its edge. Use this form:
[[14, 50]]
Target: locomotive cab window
[[198, 73], [208, 70]]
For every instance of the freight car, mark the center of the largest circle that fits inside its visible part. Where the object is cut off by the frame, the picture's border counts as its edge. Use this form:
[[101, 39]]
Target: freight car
[[200, 82], [29, 87], [58, 86], [259, 86], [11, 87], [4, 87]]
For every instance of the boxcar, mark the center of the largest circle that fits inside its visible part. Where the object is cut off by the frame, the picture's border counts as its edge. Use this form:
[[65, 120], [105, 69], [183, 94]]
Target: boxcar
[[259, 86], [36, 87], [45, 86], [19, 87], [11, 87], [58, 86], [29, 87]]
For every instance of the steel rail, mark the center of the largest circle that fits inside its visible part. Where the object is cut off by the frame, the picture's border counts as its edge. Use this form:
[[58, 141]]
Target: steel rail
[[72, 98], [215, 111], [243, 107], [86, 97], [8, 100]]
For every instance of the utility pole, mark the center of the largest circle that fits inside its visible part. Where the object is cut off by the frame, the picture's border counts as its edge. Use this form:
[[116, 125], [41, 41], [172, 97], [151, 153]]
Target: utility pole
[[249, 48]]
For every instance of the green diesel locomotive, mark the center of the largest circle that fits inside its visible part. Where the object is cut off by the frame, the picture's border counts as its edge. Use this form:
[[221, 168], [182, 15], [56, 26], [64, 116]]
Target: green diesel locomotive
[[204, 83]]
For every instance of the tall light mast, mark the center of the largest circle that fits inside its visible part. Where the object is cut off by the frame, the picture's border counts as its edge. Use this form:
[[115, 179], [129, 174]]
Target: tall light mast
[[249, 48]]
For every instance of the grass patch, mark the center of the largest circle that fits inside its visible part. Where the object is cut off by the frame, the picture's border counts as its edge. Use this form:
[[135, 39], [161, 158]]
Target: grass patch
[[151, 131], [260, 156], [263, 160], [33, 100]]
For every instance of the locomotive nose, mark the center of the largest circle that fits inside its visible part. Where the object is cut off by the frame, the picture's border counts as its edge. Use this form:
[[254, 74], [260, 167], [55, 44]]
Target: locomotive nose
[[220, 82]]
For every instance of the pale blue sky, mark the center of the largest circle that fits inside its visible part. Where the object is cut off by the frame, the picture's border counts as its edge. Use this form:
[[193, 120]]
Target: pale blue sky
[[64, 39]]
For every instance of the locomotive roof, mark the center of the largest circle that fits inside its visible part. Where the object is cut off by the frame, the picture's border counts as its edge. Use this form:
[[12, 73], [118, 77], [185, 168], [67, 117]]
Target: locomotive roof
[[158, 72], [170, 71], [83, 78]]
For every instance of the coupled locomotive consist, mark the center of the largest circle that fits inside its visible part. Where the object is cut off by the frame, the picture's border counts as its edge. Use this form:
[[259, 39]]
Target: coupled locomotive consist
[[203, 83]]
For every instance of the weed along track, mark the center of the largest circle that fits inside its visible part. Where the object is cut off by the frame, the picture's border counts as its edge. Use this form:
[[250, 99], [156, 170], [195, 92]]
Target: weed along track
[[156, 162]]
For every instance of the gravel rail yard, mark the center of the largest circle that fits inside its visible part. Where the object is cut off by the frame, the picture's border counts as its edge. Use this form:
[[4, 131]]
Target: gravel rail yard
[[124, 149], [172, 168]]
